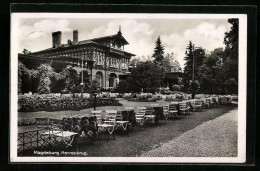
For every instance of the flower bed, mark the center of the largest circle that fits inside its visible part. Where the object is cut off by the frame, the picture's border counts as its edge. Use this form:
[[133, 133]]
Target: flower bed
[[54, 103], [142, 99]]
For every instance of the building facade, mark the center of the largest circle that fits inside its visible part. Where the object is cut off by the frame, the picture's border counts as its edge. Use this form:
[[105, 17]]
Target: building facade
[[103, 58]]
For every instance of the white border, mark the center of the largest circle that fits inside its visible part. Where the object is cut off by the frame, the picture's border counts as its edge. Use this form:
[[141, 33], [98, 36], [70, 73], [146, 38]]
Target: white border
[[241, 158]]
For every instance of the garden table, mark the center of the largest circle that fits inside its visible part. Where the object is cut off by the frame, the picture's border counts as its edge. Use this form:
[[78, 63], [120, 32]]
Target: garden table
[[57, 137], [108, 128]]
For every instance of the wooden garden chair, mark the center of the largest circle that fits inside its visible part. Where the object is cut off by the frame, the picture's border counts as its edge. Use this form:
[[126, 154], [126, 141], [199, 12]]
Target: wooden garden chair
[[140, 116], [166, 112], [212, 102], [110, 116], [98, 115], [208, 105], [198, 105], [173, 111], [184, 108], [120, 123], [102, 127], [150, 114]]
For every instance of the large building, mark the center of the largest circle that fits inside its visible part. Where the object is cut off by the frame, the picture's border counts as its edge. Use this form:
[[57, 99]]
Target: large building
[[103, 58]]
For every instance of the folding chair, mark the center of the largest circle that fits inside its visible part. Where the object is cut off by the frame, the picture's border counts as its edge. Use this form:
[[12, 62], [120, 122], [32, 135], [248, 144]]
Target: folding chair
[[149, 114], [98, 115], [110, 116], [173, 110], [166, 112], [216, 99], [102, 127], [207, 104], [139, 116], [211, 102], [184, 108], [120, 123], [198, 105]]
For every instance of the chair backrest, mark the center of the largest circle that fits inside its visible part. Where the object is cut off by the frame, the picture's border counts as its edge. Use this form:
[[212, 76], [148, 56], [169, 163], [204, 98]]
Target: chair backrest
[[141, 108], [149, 111], [183, 105], [165, 109], [119, 116], [111, 114], [97, 113], [172, 107], [198, 102], [140, 112]]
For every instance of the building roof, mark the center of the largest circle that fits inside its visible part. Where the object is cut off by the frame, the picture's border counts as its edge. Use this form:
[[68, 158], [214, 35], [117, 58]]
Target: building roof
[[117, 36], [95, 41], [68, 45]]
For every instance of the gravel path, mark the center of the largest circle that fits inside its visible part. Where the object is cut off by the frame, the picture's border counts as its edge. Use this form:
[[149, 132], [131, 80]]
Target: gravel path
[[215, 138]]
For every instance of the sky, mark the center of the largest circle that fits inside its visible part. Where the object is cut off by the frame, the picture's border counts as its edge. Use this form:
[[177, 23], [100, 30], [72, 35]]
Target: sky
[[141, 33]]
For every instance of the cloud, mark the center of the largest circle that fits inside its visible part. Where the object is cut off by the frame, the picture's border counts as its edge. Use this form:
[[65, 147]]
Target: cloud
[[207, 35], [43, 28], [137, 33], [141, 34]]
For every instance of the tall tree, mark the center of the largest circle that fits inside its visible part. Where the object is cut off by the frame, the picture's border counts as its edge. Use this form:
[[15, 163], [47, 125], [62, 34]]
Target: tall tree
[[187, 76], [158, 51], [230, 59]]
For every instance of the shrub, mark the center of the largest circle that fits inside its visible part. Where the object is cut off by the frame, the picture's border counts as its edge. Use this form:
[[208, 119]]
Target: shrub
[[176, 88]]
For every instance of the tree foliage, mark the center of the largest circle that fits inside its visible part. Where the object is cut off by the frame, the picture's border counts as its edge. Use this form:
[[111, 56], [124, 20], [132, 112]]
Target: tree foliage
[[171, 64], [211, 79], [146, 76], [219, 72], [47, 78], [71, 79], [158, 51], [199, 55], [45, 73], [230, 59], [94, 87]]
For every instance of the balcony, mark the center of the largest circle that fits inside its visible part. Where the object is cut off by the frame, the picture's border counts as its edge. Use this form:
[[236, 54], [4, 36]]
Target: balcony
[[116, 51]]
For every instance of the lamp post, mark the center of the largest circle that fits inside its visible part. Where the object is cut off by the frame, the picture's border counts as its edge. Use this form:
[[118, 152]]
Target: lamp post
[[94, 102], [193, 68]]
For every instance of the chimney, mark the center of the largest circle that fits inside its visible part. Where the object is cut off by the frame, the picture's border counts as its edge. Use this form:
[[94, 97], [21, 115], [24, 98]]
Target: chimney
[[56, 39], [75, 37]]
